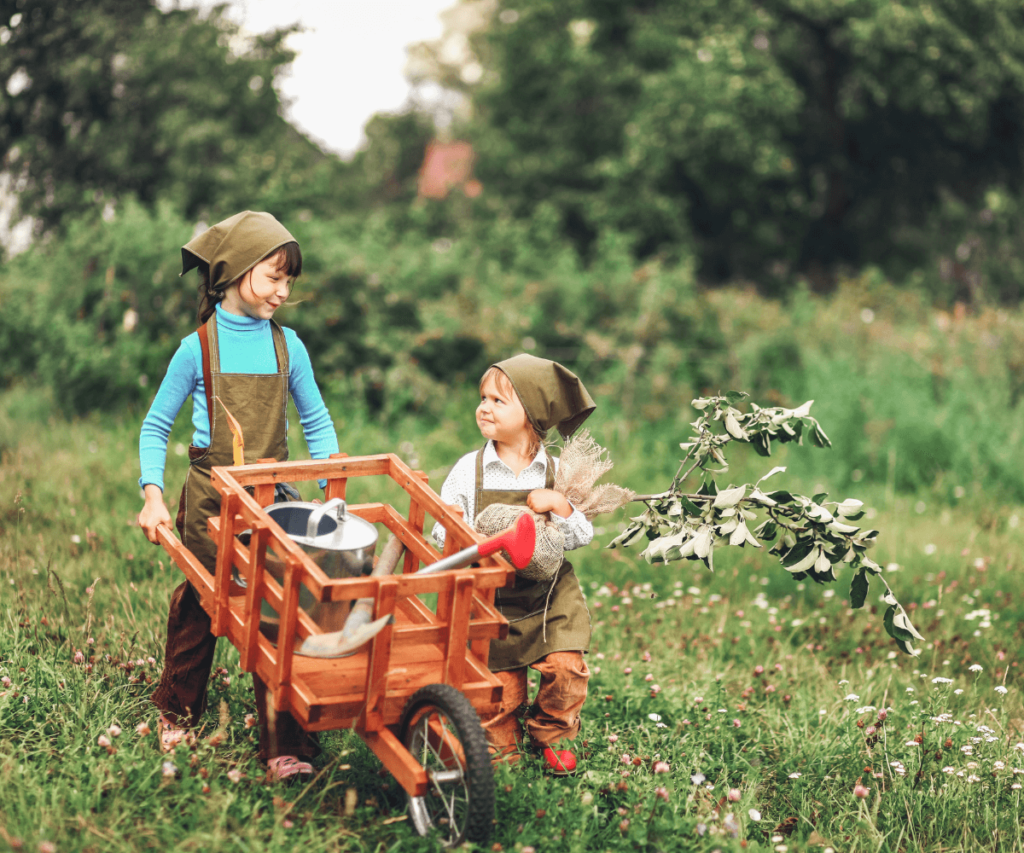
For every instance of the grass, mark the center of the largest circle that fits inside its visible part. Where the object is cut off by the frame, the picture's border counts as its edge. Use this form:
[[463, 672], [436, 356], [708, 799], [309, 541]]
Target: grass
[[728, 711]]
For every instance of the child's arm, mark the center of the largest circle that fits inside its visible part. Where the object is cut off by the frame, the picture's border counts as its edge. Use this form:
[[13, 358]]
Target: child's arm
[[178, 383], [456, 492], [317, 425], [154, 512]]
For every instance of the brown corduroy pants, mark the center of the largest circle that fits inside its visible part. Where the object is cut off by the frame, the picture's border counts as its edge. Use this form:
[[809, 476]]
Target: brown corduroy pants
[[555, 713], [188, 659]]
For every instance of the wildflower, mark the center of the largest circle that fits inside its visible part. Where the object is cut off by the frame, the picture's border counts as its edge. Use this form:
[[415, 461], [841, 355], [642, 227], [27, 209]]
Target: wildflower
[[648, 677], [734, 795], [103, 740], [287, 824], [79, 656], [882, 715], [628, 670], [769, 688], [795, 775], [168, 768], [697, 778], [865, 709], [941, 680], [235, 776], [5, 681], [626, 759], [851, 697], [47, 847], [860, 791], [624, 825], [1001, 689], [972, 779], [948, 769], [143, 729], [662, 793], [758, 669], [967, 749], [114, 730], [647, 657], [870, 730], [957, 692], [1015, 786], [661, 767], [976, 667], [654, 718], [698, 699], [735, 724], [755, 815], [612, 738], [702, 828], [910, 690], [655, 689], [250, 721]]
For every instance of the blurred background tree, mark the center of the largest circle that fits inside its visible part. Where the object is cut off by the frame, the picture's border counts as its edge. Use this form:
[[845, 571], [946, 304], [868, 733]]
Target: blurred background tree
[[777, 135]]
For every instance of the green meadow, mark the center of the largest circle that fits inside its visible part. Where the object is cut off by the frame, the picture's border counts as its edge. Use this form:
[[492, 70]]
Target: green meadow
[[727, 711]]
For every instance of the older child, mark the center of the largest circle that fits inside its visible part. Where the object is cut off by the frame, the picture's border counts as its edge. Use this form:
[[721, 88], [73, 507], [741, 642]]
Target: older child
[[549, 631], [247, 265]]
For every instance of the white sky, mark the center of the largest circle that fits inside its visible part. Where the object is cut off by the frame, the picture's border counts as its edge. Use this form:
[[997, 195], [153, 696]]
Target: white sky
[[349, 60]]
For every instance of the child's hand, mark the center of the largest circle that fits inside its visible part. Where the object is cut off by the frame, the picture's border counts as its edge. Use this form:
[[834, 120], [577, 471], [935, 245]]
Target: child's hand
[[548, 500], [154, 513]]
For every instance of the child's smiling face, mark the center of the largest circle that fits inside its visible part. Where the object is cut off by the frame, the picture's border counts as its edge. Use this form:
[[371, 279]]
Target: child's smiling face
[[500, 416], [261, 291]]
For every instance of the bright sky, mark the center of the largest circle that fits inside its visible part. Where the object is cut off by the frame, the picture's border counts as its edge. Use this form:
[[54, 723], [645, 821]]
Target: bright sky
[[350, 58]]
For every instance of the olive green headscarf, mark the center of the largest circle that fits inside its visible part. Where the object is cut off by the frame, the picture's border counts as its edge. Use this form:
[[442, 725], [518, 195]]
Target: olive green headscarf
[[233, 247], [552, 395]]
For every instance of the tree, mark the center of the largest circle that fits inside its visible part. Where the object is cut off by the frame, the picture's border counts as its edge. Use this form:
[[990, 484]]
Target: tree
[[806, 132], [112, 98]]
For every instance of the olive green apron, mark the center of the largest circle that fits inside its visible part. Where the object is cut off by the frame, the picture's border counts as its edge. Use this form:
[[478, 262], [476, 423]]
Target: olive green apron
[[544, 616], [258, 401]]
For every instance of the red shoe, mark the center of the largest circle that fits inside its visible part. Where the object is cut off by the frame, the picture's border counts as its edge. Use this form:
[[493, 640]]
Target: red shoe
[[561, 763]]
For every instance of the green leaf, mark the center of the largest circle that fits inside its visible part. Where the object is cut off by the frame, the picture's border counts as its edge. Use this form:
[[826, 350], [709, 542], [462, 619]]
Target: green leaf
[[628, 536], [766, 530], [819, 498], [781, 496], [762, 443], [689, 506], [729, 497], [735, 396], [859, 589]]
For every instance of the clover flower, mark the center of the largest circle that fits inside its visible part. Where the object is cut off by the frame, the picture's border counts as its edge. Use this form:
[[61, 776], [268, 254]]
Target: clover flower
[[114, 730], [103, 741], [661, 793], [860, 791], [734, 795], [612, 738], [143, 728], [168, 768], [697, 778], [661, 767], [755, 815]]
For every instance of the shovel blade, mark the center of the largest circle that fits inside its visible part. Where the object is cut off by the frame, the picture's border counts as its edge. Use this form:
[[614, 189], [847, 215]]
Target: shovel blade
[[336, 645]]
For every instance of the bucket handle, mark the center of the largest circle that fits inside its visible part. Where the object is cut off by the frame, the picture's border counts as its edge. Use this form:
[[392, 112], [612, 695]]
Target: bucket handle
[[313, 523]]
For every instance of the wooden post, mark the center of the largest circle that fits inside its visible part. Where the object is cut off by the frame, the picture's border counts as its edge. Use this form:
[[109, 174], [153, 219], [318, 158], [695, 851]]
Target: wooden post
[[336, 487], [416, 518], [254, 596], [461, 598], [225, 560], [380, 656], [289, 616], [264, 492], [450, 543]]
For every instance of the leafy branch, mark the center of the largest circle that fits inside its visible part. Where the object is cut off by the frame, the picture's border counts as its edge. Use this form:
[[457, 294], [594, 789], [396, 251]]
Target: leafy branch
[[813, 536]]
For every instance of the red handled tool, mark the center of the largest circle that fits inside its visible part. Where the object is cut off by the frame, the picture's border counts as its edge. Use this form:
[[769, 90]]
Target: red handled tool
[[519, 541]]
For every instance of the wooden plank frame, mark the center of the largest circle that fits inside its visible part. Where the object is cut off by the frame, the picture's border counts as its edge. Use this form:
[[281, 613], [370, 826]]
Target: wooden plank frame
[[368, 690]]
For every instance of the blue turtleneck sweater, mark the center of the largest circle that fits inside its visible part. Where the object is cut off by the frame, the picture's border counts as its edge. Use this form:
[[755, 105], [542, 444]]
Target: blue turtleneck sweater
[[246, 346]]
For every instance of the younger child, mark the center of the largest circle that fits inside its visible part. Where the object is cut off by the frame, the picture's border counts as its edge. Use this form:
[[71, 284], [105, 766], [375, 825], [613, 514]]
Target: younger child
[[239, 357], [549, 631]]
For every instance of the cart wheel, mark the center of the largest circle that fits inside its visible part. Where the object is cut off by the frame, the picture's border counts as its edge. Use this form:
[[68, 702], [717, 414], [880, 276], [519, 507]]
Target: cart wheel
[[442, 731]]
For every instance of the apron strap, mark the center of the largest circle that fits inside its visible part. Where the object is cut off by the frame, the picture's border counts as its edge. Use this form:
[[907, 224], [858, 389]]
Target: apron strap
[[204, 342], [549, 475], [280, 347]]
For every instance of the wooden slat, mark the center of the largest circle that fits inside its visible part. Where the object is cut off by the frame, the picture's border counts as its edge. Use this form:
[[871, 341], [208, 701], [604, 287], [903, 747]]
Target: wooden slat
[[454, 670], [286, 634], [408, 772], [336, 486], [222, 575], [253, 596], [380, 655], [264, 492]]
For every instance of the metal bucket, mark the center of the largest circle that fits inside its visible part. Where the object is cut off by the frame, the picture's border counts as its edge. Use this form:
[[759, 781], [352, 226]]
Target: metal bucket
[[340, 543]]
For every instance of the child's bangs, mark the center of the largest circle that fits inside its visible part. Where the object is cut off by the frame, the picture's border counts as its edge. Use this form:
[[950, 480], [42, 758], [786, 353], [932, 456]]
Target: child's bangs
[[288, 259], [501, 380]]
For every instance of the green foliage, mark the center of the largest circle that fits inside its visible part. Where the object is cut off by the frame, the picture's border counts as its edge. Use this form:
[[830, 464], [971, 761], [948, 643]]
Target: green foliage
[[814, 535], [114, 99], [802, 679], [783, 133]]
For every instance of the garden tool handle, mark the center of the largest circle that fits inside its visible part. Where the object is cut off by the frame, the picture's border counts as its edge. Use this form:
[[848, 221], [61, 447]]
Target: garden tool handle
[[313, 523], [519, 540]]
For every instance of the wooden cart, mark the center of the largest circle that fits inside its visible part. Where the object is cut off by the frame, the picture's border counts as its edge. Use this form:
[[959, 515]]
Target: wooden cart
[[417, 691]]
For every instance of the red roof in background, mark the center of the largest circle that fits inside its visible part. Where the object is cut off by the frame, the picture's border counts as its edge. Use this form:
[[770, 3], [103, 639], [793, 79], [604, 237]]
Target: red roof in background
[[447, 166]]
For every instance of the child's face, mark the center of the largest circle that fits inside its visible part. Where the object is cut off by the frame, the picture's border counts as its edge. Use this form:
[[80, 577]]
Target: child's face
[[500, 416], [263, 289]]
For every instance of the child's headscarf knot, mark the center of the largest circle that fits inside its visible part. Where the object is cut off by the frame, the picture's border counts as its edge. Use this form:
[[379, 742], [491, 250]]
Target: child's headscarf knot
[[233, 247], [552, 395]]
